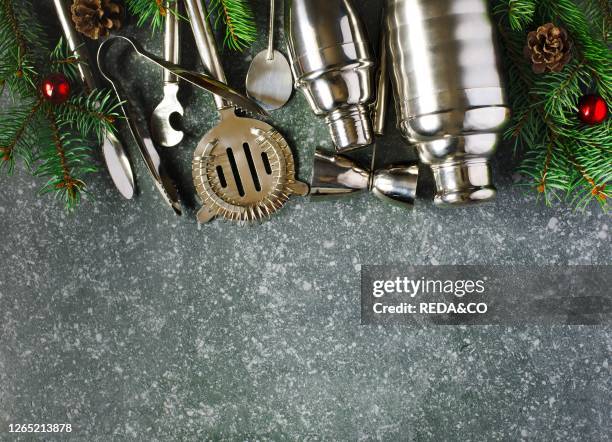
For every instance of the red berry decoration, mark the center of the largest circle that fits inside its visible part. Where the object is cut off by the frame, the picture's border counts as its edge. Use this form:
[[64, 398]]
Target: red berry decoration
[[55, 88], [592, 109]]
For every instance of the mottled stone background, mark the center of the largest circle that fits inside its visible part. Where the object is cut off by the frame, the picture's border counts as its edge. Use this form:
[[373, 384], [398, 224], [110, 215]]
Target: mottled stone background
[[132, 324]]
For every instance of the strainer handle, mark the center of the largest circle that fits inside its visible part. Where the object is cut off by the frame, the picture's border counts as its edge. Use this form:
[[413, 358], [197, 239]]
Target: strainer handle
[[206, 44]]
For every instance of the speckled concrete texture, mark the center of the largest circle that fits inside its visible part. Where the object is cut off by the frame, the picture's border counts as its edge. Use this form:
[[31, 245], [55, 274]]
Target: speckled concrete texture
[[132, 324]]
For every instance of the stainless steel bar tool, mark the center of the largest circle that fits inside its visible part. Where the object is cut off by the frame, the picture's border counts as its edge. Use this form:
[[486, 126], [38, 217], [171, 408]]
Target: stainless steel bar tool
[[448, 91], [269, 80], [333, 66], [163, 182], [161, 120], [379, 111], [338, 175], [203, 35], [243, 169], [113, 152], [219, 89]]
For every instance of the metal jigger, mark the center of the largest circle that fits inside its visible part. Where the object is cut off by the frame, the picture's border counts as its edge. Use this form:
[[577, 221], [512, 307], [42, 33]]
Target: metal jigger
[[338, 175]]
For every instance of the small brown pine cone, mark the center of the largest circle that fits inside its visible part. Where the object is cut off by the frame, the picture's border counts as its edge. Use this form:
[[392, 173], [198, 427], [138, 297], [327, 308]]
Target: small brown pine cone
[[96, 18], [549, 48]]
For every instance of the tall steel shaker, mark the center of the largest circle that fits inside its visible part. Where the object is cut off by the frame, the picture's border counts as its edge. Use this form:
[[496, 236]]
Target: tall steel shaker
[[333, 66], [448, 91]]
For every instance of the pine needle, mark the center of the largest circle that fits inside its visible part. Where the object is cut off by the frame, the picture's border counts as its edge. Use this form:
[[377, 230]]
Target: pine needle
[[563, 159], [52, 141], [238, 19], [150, 11]]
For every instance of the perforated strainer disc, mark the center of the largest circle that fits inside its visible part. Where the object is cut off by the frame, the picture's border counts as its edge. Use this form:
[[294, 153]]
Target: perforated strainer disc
[[243, 174]]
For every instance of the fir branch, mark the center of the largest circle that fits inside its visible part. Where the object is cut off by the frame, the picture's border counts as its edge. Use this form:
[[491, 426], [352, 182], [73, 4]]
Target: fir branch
[[573, 175], [559, 92], [239, 21], [22, 46], [64, 161], [548, 171], [94, 113], [38, 132], [236, 16], [43, 135], [153, 11], [595, 52], [15, 139], [11, 21], [596, 190], [547, 160], [599, 12], [64, 60], [519, 13], [562, 158]]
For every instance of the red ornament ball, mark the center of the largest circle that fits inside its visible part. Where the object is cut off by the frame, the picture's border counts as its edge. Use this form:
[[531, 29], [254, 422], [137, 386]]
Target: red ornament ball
[[55, 88], [592, 109]]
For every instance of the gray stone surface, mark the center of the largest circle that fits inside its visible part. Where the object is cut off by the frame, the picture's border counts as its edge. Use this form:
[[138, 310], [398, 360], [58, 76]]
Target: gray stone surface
[[132, 324]]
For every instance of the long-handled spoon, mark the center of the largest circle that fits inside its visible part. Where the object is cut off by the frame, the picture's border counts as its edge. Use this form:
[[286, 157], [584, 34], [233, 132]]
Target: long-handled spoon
[[113, 152], [269, 80]]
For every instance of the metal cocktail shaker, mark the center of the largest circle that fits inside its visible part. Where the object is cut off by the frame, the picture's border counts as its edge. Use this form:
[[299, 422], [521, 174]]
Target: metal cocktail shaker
[[333, 66], [448, 91]]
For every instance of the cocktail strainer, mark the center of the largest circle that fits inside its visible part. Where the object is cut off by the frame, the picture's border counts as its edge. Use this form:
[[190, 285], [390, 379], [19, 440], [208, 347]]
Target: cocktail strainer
[[243, 169]]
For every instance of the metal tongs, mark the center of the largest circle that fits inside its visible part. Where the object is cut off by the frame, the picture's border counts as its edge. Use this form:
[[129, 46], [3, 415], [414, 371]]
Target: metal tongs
[[140, 133], [202, 81]]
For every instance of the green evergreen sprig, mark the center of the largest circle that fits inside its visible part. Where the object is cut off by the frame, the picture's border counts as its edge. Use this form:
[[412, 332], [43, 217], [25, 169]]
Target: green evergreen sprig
[[17, 128], [563, 159], [64, 160], [64, 60], [18, 55], [150, 11], [53, 141], [235, 16], [239, 21], [94, 113]]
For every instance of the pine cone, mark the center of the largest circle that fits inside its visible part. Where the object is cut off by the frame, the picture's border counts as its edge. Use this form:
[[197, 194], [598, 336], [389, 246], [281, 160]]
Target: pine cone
[[96, 18], [549, 48]]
